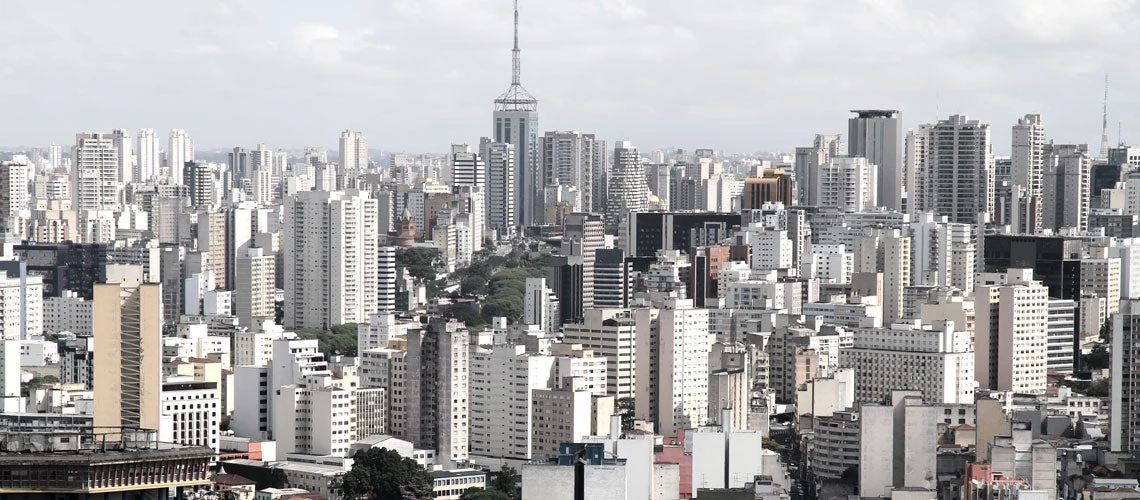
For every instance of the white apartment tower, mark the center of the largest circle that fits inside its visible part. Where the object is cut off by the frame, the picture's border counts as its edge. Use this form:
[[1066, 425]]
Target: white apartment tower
[[540, 305], [1124, 428], [501, 199], [386, 280], [1012, 334], [437, 413], [503, 379], [95, 172], [959, 169], [331, 258], [876, 134], [849, 183], [626, 190], [148, 156], [181, 150], [584, 234], [1028, 157], [353, 151], [254, 293], [1067, 187], [15, 200], [673, 372]]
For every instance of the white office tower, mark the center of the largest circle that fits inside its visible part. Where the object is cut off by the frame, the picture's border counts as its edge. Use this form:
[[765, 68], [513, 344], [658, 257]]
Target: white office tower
[[933, 359], [502, 380], [331, 258], [10, 399], [1012, 333], [1027, 160], [181, 150], [956, 175], [574, 159], [256, 287], [502, 202], [353, 151], [386, 280], [436, 416], [467, 168], [191, 412], [887, 251], [672, 369], [148, 156], [626, 189], [1124, 421], [15, 199], [849, 183], [95, 173], [876, 134], [540, 305], [1067, 187]]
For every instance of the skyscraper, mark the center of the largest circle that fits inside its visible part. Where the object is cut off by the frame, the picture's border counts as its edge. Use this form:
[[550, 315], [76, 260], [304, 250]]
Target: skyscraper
[[959, 169], [627, 190], [95, 172], [1012, 334], [1066, 186], [876, 135], [515, 121], [331, 258], [848, 183], [573, 159], [501, 188], [181, 151], [256, 285], [127, 327], [353, 151], [126, 156], [146, 156], [1028, 158]]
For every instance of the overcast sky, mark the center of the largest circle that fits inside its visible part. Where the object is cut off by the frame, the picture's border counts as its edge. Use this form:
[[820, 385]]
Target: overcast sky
[[417, 75]]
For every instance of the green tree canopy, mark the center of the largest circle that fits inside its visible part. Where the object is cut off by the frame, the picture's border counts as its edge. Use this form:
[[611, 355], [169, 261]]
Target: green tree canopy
[[481, 494], [382, 474], [422, 263], [506, 480], [338, 340]]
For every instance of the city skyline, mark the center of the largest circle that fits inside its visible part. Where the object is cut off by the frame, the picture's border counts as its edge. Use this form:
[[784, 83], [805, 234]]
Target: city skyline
[[305, 71]]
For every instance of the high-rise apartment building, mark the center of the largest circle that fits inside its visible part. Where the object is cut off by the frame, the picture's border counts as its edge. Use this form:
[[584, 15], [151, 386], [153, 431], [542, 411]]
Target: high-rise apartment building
[[198, 177], [501, 199], [876, 134], [959, 169], [886, 251], [148, 156], [181, 150], [256, 287], [331, 258], [672, 369], [1124, 416], [626, 189], [1027, 167], [95, 172], [1067, 181], [127, 326], [15, 200], [934, 359], [583, 235], [386, 280], [436, 416], [849, 183], [1012, 333], [353, 151], [574, 159], [809, 159]]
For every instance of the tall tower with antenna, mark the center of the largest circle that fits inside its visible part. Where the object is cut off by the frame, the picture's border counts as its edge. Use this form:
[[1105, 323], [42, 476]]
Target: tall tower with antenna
[[516, 123], [1104, 121]]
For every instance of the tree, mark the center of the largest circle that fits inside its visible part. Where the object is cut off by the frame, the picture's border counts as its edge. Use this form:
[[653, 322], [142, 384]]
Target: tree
[[506, 480], [481, 494], [1099, 388], [340, 339], [625, 408], [382, 474], [473, 285], [420, 262], [464, 312], [1097, 359]]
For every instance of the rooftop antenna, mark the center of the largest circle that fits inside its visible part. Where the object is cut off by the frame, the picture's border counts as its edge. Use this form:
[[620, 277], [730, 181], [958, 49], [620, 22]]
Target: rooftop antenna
[[1119, 135], [1104, 122], [515, 65]]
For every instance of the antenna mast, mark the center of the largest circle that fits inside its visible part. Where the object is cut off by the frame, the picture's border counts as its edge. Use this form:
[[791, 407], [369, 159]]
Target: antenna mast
[[1104, 121], [515, 69]]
